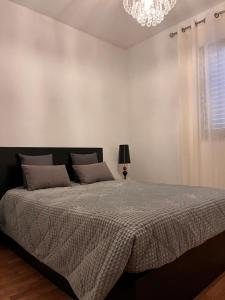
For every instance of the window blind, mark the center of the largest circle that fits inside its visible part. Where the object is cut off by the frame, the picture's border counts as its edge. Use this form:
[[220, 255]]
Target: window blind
[[215, 60]]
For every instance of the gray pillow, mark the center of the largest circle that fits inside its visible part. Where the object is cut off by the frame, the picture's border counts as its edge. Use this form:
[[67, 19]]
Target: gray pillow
[[42, 177], [93, 173], [84, 159], [35, 160]]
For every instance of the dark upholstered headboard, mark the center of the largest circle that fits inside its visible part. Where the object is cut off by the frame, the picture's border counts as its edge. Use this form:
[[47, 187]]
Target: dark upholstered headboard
[[10, 171]]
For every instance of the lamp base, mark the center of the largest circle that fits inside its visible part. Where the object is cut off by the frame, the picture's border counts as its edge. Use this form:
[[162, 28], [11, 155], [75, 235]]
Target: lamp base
[[125, 172]]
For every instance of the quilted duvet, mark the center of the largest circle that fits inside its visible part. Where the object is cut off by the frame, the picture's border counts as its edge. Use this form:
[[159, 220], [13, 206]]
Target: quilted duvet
[[92, 234]]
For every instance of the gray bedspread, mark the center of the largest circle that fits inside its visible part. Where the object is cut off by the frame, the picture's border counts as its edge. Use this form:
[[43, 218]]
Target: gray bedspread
[[92, 234]]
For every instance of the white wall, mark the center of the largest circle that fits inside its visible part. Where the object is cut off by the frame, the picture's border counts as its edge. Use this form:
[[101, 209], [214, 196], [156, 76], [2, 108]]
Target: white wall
[[153, 104], [58, 86], [61, 87]]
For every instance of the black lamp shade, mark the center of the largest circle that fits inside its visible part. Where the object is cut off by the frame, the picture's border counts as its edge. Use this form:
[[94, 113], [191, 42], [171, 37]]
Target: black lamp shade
[[124, 154]]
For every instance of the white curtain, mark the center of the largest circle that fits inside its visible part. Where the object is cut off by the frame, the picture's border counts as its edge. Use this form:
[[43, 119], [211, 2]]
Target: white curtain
[[202, 102]]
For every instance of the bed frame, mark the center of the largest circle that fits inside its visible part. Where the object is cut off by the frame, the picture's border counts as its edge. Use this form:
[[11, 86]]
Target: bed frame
[[182, 279]]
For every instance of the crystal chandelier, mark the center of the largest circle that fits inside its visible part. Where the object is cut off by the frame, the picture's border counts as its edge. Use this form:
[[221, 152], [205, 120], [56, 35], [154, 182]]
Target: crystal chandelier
[[148, 12]]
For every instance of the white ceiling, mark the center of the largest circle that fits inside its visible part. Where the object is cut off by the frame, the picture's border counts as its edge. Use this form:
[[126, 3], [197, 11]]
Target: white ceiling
[[107, 20]]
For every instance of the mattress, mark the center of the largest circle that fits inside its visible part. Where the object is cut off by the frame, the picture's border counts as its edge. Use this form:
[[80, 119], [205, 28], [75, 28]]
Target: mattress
[[91, 234]]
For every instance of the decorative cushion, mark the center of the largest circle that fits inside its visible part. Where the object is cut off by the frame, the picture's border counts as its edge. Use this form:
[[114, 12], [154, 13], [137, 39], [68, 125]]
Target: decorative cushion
[[36, 159], [42, 177], [93, 173], [84, 159]]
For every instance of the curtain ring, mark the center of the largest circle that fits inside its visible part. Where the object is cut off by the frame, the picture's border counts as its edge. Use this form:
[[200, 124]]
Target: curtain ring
[[217, 15], [173, 34]]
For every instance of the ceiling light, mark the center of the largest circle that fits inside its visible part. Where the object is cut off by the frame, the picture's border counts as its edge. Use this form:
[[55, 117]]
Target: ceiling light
[[148, 12]]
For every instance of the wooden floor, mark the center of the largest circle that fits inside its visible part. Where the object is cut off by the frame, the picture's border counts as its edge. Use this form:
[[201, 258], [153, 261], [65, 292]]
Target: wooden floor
[[19, 281]]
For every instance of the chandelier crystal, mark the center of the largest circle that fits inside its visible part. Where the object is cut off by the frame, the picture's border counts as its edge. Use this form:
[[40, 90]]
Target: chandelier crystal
[[148, 12]]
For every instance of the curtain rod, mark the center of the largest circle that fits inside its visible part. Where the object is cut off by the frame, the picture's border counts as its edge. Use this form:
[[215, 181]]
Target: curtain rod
[[216, 15]]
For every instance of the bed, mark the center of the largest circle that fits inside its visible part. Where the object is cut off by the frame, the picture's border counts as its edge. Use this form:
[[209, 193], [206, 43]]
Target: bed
[[116, 239]]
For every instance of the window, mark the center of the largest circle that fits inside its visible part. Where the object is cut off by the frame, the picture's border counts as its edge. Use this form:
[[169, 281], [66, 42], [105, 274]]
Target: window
[[212, 90]]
